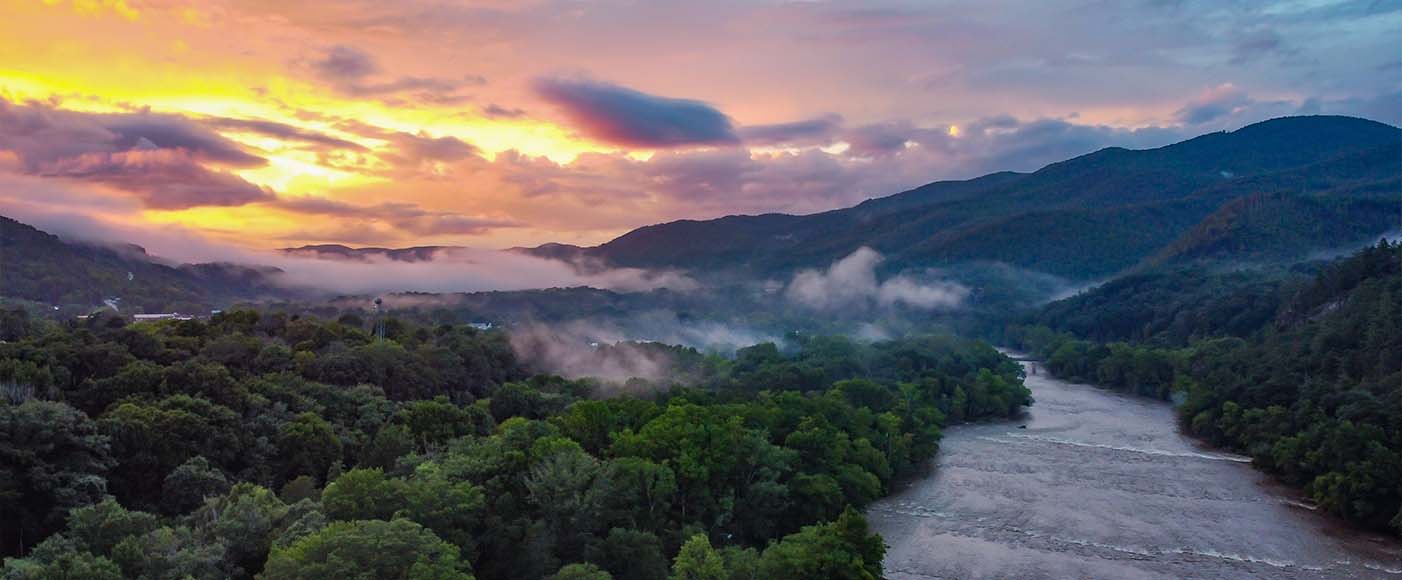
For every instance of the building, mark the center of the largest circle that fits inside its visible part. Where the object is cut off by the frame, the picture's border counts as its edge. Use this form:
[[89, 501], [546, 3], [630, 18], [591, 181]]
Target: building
[[162, 316]]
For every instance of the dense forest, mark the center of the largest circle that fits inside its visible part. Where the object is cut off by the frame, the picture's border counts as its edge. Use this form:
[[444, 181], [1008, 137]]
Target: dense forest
[[1303, 373], [277, 446]]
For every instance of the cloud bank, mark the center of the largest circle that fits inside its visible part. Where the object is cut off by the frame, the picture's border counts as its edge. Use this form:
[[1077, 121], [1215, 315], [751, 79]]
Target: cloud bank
[[851, 284], [167, 161]]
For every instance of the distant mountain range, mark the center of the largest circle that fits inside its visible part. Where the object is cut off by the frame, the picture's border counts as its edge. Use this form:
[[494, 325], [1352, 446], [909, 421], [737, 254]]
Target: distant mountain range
[[1272, 192]]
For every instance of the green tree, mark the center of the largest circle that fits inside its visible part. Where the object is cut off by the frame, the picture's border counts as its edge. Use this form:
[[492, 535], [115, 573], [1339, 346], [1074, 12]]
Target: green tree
[[188, 485], [363, 494], [367, 550], [583, 571], [697, 560], [52, 459], [308, 445], [841, 550]]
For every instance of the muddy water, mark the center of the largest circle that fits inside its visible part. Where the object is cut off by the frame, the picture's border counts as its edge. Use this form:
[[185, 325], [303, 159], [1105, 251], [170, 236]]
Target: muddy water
[[1102, 485]]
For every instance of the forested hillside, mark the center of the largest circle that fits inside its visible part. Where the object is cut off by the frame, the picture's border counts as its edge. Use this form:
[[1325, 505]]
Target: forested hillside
[[1087, 217], [1303, 373], [275, 446], [40, 267]]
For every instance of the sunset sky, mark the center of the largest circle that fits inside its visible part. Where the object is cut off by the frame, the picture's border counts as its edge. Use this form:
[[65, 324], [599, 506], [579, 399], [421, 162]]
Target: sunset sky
[[189, 125]]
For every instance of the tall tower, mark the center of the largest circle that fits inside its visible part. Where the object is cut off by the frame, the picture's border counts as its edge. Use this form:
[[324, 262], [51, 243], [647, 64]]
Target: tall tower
[[379, 330]]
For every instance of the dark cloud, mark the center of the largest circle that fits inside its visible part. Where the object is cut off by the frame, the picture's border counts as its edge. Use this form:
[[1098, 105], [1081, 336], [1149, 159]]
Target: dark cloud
[[701, 176], [819, 130], [40, 133], [413, 147], [496, 111], [286, 133], [161, 178], [405, 217], [436, 90], [175, 132], [623, 116], [347, 63], [1257, 44], [163, 160], [1220, 101], [357, 73], [882, 139], [423, 147]]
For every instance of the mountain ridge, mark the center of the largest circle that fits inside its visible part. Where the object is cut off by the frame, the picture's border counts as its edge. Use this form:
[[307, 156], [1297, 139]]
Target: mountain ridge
[[1160, 193]]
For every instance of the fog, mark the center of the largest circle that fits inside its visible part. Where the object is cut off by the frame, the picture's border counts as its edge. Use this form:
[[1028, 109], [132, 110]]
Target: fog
[[617, 349], [463, 270], [450, 270], [575, 351], [851, 283]]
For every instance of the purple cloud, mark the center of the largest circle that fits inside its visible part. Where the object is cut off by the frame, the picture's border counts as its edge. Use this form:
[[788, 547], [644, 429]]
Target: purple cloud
[[355, 72], [818, 131], [286, 132], [345, 62], [160, 159], [623, 116]]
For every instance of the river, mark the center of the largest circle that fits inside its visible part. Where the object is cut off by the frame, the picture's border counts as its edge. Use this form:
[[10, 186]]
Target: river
[[1102, 485]]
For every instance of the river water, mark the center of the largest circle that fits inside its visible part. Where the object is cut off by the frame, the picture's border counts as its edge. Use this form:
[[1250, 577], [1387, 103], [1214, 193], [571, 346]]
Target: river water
[[1102, 485]]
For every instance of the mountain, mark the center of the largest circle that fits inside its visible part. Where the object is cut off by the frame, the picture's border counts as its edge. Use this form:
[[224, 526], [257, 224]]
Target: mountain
[[1084, 218], [1296, 213], [1273, 192], [39, 267]]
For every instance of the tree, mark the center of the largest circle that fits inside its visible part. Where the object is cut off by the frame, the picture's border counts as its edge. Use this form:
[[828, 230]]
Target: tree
[[436, 421], [309, 446], [363, 494], [300, 488], [581, 572], [65, 566], [149, 440], [452, 509], [243, 520], [568, 490], [52, 458], [367, 550], [698, 561], [99, 528], [640, 492], [841, 550], [630, 555], [187, 487]]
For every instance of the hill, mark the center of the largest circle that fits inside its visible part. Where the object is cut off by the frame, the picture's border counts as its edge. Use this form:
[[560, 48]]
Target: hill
[[1084, 218], [40, 267]]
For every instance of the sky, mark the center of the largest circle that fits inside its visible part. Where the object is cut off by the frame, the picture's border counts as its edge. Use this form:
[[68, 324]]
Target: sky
[[196, 128]]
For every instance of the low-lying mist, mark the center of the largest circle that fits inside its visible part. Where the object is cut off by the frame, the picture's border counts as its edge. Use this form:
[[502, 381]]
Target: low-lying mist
[[851, 283], [618, 349], [464, 270]]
